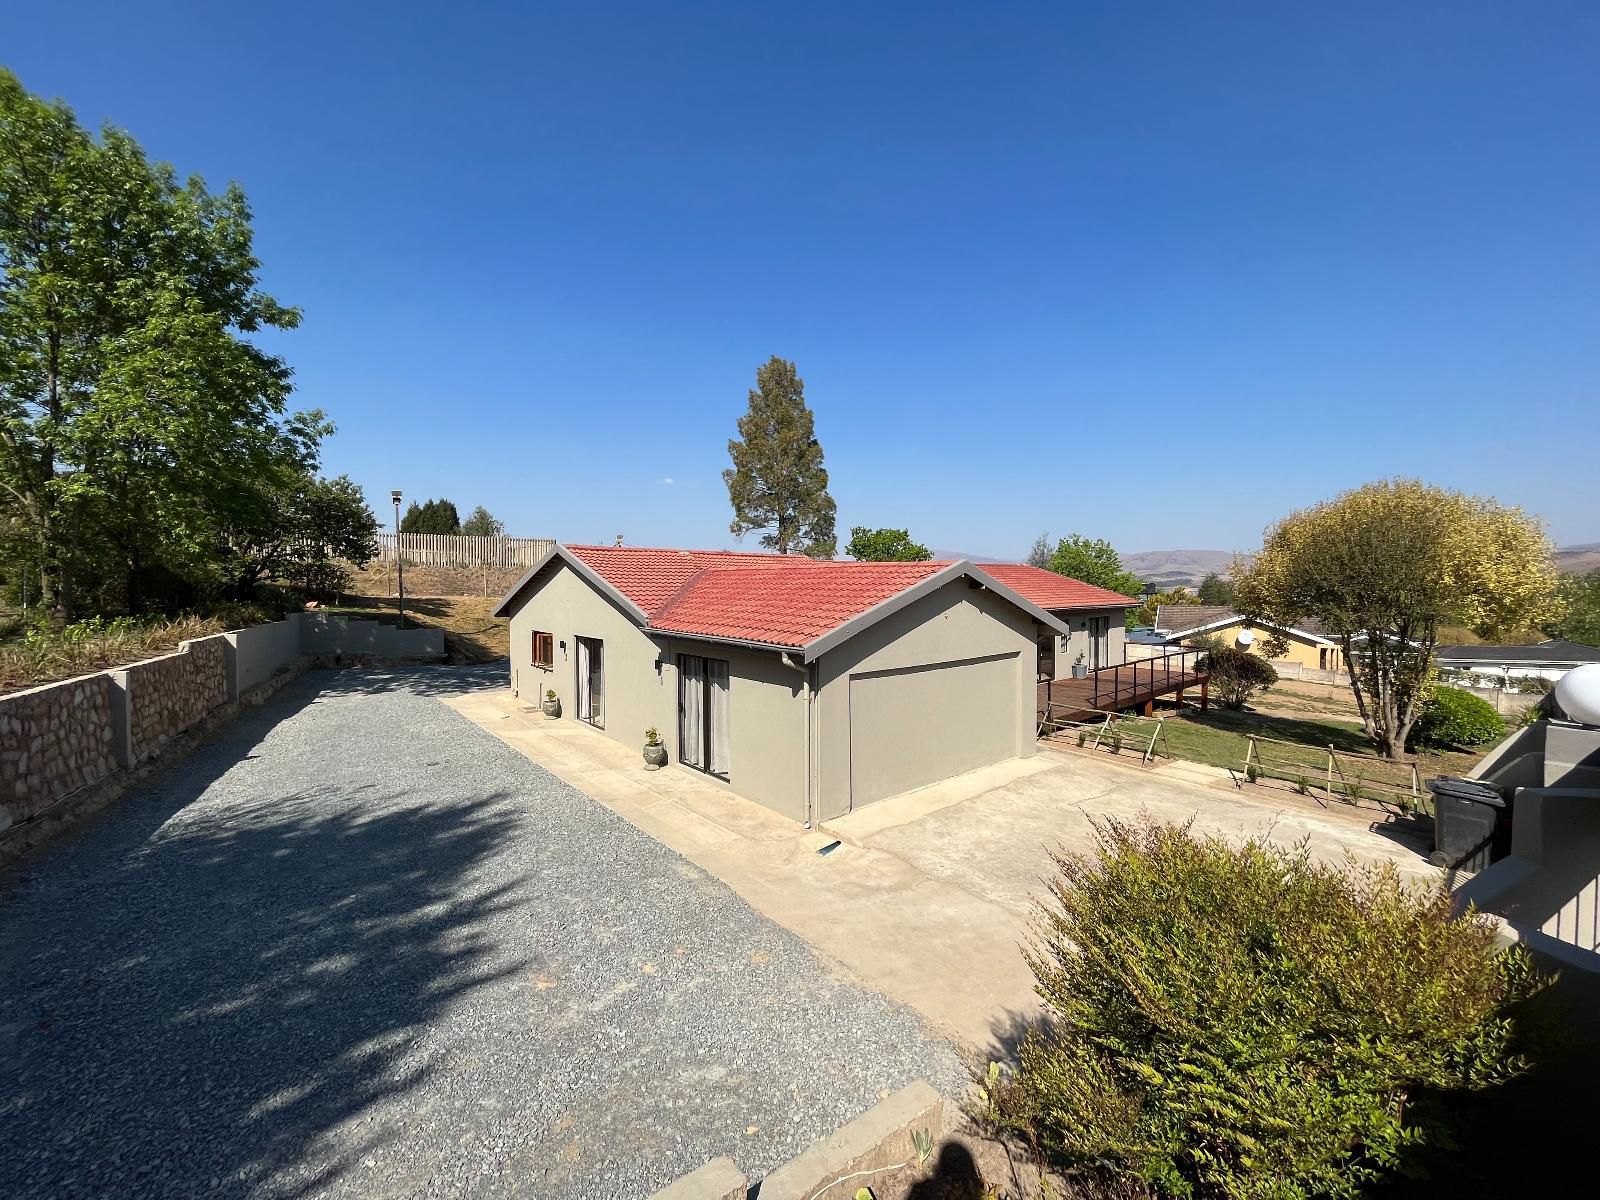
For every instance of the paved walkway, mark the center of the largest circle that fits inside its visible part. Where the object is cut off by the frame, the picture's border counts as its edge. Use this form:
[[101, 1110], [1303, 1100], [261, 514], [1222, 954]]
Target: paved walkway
[[358, 947], [928, 896]]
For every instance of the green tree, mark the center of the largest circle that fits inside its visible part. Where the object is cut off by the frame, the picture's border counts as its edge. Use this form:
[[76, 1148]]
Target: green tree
[[132, 400], [481, 523], [885, 545], [777, 482], [1384, 567], [1092, 560], [1579, 616], [433, 516], [314, 525], [1215, 589]]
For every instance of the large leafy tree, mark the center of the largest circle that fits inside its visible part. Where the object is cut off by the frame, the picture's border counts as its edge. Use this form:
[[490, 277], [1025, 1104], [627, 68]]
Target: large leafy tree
[[885, 545], [138, 421], [313, 525], [777, 482], [481, 523], [1092, 560], [1579, 616], [1384, 567], [1215, 589]]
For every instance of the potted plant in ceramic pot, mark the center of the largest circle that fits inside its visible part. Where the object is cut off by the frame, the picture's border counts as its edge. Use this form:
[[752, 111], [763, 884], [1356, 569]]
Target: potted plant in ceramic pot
[[552, 703], [1079, 669], [655, 754]]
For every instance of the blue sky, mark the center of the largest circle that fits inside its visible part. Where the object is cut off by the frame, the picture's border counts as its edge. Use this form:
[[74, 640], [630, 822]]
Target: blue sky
[[1156, 273]]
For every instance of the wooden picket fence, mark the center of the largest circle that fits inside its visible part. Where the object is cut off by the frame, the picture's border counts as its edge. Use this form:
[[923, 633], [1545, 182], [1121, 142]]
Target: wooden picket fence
[[450, 550]]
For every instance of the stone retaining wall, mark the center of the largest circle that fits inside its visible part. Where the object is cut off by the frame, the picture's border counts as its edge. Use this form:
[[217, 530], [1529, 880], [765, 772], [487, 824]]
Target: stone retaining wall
[[54, 740], [164, 696], [62, 739]]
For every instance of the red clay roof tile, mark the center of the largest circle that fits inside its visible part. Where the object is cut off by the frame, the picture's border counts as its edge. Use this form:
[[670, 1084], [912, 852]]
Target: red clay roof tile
[[775, 599], [1049, 590]]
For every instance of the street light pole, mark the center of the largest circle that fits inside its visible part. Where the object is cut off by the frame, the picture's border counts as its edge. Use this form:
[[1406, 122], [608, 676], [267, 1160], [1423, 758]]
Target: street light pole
[[399, 559]]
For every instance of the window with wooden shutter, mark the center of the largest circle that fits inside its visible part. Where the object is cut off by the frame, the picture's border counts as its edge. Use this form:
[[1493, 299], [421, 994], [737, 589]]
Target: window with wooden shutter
[[544, 654]]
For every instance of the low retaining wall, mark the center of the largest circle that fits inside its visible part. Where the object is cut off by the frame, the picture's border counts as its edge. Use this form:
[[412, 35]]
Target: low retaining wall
[[256, 654], [324, 634], [54, 740], [155, 700], [63, 739]]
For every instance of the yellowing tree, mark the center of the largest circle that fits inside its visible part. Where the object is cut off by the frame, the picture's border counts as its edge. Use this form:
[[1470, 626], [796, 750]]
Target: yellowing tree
[[1383, 567]]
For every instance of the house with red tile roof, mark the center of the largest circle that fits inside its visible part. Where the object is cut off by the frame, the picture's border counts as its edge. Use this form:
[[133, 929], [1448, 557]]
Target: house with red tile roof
[[811, 686]]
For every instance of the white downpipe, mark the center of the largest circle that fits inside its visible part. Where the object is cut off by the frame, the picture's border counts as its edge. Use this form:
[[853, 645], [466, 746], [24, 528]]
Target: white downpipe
[[805, 690]]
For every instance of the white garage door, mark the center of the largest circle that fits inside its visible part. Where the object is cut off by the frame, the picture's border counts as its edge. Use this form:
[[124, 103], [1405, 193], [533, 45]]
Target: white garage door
[[918, 726]]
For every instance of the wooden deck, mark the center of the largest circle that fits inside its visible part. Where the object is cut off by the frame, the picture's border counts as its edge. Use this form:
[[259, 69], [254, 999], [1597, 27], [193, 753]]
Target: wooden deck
[[1116, 689]]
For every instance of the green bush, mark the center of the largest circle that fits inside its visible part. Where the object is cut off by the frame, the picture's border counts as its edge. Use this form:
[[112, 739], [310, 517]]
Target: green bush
[[1236, 674], [1452, 717], [1245, 1022]]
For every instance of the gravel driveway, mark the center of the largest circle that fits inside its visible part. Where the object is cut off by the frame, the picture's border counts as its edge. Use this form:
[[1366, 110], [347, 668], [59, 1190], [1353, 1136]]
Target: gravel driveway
[[358, 947]]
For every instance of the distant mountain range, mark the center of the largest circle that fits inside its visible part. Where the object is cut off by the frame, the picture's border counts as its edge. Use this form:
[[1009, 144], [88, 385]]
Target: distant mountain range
[[1578, 560], [1171, 568]]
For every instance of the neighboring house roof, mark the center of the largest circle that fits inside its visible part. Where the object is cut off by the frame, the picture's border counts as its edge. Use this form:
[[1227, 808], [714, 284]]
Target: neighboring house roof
[[1554, 652], [1049, 590], [770, 600], [1189, 619]]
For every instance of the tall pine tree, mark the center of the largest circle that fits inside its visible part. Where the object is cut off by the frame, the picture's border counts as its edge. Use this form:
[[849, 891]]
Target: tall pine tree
[[777, 482]]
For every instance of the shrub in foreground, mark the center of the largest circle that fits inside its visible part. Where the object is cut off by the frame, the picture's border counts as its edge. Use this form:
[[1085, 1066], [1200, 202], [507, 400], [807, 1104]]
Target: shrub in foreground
[[1246, 1022], [1452, 717]]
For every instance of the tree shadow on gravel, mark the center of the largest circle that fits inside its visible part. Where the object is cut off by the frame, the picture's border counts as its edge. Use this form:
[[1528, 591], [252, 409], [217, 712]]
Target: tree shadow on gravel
[[431, 681], [190, 1007]]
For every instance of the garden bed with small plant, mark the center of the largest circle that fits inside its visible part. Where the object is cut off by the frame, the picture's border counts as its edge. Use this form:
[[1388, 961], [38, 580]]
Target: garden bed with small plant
[[34, 653]]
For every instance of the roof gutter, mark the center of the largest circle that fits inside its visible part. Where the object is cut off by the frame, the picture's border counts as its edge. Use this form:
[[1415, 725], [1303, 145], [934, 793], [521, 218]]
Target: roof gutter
[[810, 694]]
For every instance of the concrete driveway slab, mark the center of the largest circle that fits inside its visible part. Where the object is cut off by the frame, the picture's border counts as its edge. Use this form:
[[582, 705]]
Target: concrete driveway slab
[[928, 897]]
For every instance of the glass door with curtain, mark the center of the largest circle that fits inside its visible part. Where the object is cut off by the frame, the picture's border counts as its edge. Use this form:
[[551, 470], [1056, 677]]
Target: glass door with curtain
[[1099, 642], [591, 681], [703, 714]]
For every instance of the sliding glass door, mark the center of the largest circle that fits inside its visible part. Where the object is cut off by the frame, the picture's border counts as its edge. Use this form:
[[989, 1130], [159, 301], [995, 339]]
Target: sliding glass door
[[703, 714], [591, 682]]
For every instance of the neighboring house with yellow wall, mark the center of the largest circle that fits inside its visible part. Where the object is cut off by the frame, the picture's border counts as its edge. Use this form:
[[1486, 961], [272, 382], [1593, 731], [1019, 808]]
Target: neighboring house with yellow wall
[[1310, 645]]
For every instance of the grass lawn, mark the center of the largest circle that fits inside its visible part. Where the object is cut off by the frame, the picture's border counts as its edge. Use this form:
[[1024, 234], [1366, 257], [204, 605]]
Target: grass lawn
[[1297, 752]]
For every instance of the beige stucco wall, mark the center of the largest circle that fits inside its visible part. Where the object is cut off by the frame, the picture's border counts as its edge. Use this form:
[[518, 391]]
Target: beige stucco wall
[[1301, 651], [954, 624], [766, 735], [1068, 647]]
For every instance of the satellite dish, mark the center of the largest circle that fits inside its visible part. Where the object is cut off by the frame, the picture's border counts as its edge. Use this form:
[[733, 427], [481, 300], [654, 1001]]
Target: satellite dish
[[1578, 694], [1247, 638]]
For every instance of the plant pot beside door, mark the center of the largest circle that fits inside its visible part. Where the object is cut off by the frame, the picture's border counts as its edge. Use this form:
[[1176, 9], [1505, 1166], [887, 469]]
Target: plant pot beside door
[[655, 754], [1079, 669], [552, 704]]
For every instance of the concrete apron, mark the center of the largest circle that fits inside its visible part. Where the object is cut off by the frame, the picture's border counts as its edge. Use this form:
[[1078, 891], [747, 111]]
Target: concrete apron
[[928, 897], [951, 955]]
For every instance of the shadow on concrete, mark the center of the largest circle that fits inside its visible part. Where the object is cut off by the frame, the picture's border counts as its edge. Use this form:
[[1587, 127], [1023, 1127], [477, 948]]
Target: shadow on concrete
[[190, 1006]]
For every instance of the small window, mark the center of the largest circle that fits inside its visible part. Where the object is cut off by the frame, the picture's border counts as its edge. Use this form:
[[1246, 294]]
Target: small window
[[544, 653]]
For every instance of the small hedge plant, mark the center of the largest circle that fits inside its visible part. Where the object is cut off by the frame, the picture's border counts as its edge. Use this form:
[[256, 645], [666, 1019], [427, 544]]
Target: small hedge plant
[[1236, 674], [1246, 1022], [1452, 717]]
